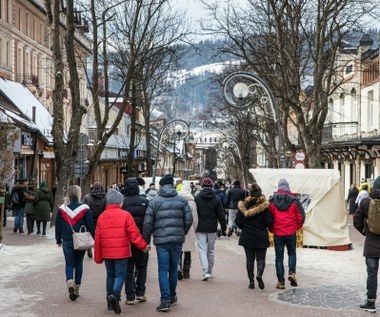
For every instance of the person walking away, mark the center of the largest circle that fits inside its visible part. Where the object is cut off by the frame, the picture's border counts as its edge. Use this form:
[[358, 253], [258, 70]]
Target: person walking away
[[141, 182], [210, 212], [18, 204], [42, 208], [253, 218], [219, 191], [168, 218], [363, 182], [288, 217], [72, 215], [189, 244], [115, 231], [96, 200], [135, 282], [29, 206], [367, 221], [352, 195], [234, 195], [152, 193], [362, 194]]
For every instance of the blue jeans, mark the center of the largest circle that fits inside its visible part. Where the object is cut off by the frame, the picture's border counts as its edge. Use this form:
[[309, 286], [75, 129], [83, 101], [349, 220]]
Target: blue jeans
[[116, 273], [74, 261], [372, 269], [168, 256], [279, 247], [19, 218]]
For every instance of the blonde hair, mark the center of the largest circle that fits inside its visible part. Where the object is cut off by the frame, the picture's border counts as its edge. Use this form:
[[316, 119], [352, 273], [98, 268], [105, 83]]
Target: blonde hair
[[73, 192]]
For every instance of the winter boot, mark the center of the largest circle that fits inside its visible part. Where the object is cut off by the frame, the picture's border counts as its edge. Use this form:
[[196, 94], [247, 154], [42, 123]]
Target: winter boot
[[76, 289], [260, 281], [251, 282], [369, 306], [114, 301], [71, 288], [292, 279], [186, 269]]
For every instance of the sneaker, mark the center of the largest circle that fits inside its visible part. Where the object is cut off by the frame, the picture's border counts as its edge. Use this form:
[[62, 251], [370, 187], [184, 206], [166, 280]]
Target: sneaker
[[71, 289], [21, 231], [114, 301], [369, 307], [260, 282], [180, 275], [210, 275], [164, 307], [141, 299], [205, 277], [173, 301], [280, 285], [229, 234], [129, 302], [292, 279]]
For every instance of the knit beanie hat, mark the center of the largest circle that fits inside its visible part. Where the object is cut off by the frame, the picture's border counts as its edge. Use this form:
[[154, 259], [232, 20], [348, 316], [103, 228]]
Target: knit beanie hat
[[376, 184], [207, 182], [283, 184], [131, 184], [167, 180], [43, 184], [255, 190], [114, 197]]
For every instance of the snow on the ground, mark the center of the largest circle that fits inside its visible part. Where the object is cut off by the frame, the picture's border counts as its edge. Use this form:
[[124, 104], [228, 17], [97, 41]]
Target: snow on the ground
[[16, 261]]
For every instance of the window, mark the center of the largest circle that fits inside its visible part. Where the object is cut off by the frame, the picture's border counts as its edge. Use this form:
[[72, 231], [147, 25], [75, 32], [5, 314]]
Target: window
[[370, 114], [34, 29], [27, 24], [353, 105], [1, 52], [341, 108], [349, 69], [7, 57], [19, 18], [329, 117]]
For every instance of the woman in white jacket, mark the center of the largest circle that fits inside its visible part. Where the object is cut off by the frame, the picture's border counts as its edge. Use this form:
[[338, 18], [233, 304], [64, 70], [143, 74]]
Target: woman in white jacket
[[189, 244]]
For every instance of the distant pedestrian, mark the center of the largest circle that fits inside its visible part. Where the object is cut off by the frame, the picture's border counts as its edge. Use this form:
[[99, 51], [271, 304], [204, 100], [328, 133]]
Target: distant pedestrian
[[136, 205], [371, 245], [352, 195], [362, 194], [168, 218], [42, 207], [234, 195], [141, 182], [72, 215], [210, 212], [189, 245], [152, 192], [254, 218], [288, 217], [219, 191], [18, 204], [115, 231], [96, 200], [30, 195]]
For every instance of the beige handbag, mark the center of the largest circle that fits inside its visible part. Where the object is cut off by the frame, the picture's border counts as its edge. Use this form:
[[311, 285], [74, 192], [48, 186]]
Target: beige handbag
[[83, 239]]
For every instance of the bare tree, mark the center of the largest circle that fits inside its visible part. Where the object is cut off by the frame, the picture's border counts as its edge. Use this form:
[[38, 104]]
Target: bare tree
[[287, 42]]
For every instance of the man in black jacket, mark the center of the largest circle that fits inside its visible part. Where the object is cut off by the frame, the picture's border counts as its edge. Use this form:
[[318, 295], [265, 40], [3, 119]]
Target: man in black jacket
[[136, 205], [210, 211], [18, 204], [371, 247]]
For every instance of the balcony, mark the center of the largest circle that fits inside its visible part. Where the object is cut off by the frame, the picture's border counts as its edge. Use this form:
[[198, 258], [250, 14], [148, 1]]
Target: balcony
[[340, 132]]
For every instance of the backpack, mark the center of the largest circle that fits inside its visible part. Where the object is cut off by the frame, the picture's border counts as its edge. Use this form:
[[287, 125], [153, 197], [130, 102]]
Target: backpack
[[373, 219]]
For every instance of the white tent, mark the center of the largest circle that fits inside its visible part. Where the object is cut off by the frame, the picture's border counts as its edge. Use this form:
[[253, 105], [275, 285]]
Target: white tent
[[321, 195]]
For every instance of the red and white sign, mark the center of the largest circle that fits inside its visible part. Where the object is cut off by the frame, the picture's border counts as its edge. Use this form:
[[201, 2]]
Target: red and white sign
[[299, 165], [300, 156]]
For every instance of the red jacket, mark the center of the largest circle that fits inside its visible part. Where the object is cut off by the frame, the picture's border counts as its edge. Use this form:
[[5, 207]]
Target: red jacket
[[115, 230], [287, 212]]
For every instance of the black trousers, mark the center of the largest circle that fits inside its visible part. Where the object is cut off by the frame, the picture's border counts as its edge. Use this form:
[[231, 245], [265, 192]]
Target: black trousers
[[251, 255], [136, 274]]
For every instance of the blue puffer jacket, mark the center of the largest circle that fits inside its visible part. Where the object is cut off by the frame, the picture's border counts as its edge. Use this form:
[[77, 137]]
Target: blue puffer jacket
[[168, 217]]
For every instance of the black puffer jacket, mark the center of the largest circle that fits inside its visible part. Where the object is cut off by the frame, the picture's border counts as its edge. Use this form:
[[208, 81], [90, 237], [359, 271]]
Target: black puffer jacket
[[254, 218], [20, 190], [210, 211], [135, 204], [372, 241], [96, 200]]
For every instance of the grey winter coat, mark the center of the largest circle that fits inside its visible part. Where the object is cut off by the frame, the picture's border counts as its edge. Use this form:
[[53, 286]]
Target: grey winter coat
[[168, 217]]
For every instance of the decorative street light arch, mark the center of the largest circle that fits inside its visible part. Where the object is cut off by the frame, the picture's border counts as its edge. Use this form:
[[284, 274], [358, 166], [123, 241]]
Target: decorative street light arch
[[172, 132], [240, 86]]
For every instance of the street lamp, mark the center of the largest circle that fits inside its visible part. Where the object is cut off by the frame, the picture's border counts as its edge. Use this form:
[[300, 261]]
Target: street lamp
[[225, 144], [176, 129], [237, 86]]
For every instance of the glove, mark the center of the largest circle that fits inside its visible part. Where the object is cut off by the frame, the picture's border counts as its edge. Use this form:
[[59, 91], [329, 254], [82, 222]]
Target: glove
[[224, 233]]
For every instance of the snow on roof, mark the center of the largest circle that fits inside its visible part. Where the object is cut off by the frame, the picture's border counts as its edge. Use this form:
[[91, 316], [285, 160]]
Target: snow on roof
[[24, 100]]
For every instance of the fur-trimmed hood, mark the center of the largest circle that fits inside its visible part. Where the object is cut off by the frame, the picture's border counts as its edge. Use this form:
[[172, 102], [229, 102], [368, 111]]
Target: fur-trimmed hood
[[251, 206]]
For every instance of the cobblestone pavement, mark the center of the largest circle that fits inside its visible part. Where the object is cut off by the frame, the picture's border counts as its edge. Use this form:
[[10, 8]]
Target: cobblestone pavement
[[331, 283]]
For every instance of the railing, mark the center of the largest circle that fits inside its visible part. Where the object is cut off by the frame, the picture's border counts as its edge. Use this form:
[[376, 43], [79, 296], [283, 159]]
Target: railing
[[340, 131]]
